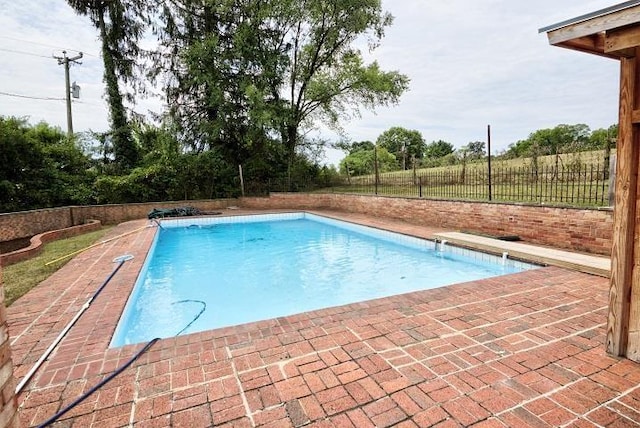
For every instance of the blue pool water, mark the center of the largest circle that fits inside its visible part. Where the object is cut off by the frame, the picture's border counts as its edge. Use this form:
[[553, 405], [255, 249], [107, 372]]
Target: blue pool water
[[236, 270]]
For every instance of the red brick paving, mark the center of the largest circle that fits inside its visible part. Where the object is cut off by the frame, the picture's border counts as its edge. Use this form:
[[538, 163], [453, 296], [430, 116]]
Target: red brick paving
[[519, 350]]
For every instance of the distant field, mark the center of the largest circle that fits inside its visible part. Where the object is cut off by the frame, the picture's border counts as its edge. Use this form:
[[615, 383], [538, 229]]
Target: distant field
[[575, 179], [566, 159]]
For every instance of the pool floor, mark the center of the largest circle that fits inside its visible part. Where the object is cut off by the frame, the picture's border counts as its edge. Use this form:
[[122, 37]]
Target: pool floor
[[523, 350]]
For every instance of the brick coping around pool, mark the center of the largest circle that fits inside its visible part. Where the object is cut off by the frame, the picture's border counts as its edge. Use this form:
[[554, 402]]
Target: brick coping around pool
[[519, 350]]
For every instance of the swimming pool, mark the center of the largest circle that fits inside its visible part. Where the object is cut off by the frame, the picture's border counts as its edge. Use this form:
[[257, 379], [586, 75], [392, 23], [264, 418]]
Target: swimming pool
[[223, 271]]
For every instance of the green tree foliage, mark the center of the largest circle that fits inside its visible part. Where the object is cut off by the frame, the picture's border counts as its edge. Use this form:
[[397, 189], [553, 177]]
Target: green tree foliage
[[121, 24], [224, 68], [406, 145], [97, 146], [603, 138], [552, 141], [166, 172], [246, 74], [438, 149], [40, 167], [361, 162], [473, 151], [352, 147], [188, 176], [361, 145], [327, 77]]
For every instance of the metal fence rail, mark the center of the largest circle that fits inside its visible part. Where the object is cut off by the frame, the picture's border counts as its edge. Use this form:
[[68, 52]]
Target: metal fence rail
[[574, 185]]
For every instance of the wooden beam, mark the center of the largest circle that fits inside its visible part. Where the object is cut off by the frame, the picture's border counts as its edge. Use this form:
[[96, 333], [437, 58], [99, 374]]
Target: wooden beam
[[635, 117], [593, 44], [621, 18], [624, 216], [568, 45], [622, 40]]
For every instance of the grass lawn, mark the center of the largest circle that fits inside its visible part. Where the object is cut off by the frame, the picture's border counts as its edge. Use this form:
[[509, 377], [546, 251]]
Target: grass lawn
[[21, 277]]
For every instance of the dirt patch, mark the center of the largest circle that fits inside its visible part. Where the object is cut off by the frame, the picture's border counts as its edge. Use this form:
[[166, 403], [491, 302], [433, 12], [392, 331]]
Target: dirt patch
[[14, 244]]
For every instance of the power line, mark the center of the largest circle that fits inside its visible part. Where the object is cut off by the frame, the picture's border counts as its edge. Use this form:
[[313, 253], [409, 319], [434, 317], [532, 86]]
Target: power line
[[86, 103], [8, 94], [24, 53], [44, 44], [48, 99]]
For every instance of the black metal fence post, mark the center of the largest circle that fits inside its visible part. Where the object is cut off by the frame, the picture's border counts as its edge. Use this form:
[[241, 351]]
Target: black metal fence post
[[489, 157]]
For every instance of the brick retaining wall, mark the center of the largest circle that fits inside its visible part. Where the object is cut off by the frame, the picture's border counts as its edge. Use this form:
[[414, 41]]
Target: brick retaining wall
[[588, 230], [8, 417], [26, 224], [114, 214]]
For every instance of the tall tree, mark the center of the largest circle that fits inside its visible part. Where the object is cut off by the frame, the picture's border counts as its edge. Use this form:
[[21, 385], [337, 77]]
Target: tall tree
[[327, 77], [121, 24], [405, 144], [355, 146], [244, 73], [361, 145], [224, 62]]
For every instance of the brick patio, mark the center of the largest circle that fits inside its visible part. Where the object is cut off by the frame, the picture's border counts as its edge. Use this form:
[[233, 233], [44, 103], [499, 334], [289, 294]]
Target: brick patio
[[519, 350]]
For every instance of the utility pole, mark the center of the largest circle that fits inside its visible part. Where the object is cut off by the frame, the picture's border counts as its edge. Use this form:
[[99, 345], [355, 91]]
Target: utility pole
[[64, 60]]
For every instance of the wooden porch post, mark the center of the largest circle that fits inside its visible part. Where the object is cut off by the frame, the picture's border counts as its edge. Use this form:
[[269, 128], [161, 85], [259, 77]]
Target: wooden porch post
[[632, 298], [623, 267], [614, 32]]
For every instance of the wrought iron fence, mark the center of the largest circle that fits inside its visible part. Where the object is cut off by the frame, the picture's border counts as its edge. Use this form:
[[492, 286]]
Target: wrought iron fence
[[574, 185]]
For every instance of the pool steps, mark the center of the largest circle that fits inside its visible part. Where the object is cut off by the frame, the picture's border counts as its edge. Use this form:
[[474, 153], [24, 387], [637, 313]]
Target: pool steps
[[587, 263]]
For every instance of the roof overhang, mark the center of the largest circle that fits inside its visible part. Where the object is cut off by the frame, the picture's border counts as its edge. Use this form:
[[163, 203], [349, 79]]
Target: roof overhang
[[613, 32]]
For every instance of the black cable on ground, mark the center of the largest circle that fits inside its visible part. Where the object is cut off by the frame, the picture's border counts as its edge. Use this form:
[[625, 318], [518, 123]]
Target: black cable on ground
[[122, 368], [99, 385]]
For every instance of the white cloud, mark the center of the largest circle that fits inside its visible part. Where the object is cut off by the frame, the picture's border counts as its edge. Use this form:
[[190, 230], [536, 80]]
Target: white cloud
[[471, 63]]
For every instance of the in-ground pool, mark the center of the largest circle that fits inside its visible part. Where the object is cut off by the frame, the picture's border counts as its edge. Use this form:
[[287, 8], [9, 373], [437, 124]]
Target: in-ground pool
[[224, 271]]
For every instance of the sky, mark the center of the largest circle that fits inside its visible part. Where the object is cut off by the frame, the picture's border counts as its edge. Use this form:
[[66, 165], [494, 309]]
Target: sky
[[471, 63]]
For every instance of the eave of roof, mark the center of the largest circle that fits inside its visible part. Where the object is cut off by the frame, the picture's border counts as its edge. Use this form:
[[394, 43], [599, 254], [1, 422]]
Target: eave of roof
[[588, 16], [613, 32]]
